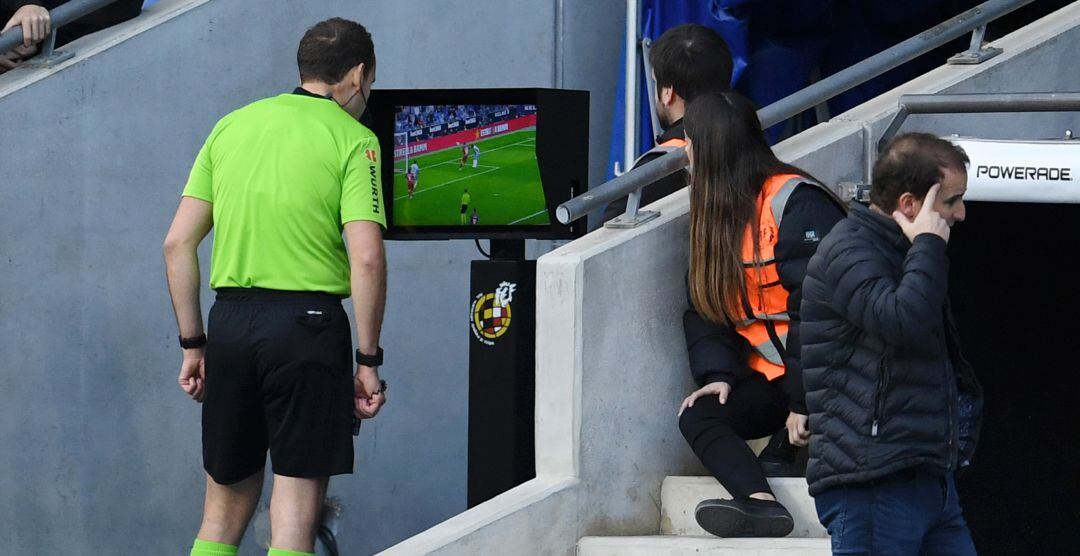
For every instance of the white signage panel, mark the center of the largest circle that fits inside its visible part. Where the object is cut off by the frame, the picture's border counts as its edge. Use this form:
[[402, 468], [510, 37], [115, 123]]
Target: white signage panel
[[1022, 171]]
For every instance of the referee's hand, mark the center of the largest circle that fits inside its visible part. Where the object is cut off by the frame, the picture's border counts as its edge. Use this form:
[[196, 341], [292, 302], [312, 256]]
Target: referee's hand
[[193, 373], [369, 397]]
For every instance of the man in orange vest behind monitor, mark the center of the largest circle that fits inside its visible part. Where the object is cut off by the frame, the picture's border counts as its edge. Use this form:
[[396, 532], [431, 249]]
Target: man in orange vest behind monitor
[[687, 61]]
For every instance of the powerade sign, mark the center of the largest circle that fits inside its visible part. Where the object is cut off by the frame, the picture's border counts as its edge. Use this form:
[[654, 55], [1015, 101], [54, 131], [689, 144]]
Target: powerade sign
[[1022, 171]]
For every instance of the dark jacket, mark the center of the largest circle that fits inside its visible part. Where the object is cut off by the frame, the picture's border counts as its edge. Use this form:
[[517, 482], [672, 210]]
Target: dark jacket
[[718, 353], [658, 189], [886, 384]]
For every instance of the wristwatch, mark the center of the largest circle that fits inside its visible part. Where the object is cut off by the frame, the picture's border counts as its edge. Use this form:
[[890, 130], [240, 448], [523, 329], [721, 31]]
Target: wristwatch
[[370, 360], [192, 343]]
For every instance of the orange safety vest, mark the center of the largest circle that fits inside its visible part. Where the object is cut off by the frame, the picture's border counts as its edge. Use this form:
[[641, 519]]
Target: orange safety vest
[[766, 325]]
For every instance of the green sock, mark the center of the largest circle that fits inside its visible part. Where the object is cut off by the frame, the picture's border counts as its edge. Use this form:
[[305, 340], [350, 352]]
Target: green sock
[[279, 552], [210, 548]]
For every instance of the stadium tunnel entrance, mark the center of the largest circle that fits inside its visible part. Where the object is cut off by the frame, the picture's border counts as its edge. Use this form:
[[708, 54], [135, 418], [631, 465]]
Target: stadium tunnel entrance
[[1014, 292]]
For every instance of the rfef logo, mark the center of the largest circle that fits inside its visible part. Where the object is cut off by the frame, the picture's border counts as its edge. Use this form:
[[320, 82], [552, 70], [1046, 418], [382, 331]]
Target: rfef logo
[[371, 155], [491, 313]]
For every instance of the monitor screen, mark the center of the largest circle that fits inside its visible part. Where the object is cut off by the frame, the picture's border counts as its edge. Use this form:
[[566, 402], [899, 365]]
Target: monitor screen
[[467, 165], [480, 163]]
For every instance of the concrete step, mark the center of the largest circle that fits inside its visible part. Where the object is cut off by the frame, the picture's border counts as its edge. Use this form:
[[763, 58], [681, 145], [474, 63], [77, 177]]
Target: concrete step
[[680, 495], [696, 546]]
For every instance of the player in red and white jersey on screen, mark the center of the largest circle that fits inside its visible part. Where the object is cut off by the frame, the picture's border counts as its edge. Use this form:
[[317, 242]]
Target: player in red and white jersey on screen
[[412, 177], [464, 155]]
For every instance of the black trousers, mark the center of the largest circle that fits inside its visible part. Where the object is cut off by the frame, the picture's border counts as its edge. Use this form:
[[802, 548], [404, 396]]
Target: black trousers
[[717, 433]]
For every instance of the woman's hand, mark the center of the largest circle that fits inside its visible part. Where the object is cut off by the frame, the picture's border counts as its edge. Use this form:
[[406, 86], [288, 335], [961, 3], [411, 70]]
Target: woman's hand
[[798, 434], [719, 389]]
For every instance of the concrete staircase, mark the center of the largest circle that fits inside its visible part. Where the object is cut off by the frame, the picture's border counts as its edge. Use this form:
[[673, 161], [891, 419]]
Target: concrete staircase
[[681, 535], [696, 546]]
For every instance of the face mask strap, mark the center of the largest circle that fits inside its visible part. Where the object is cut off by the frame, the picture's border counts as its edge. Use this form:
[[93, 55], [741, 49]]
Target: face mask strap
[[346, 103]]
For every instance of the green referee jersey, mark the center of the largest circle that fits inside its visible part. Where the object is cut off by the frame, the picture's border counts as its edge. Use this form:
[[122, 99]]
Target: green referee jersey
[[284, 175]]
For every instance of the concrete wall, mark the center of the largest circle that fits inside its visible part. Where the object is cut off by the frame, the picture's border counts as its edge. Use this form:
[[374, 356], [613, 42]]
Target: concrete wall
[[612, 364], [101, 449]]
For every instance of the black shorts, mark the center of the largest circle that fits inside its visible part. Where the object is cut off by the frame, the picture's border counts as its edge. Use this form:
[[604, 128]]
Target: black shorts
[[278, 377], [464, 209]]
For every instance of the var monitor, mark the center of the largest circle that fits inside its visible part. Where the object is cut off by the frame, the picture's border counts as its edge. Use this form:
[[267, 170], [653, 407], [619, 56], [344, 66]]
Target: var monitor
[[480, 163]]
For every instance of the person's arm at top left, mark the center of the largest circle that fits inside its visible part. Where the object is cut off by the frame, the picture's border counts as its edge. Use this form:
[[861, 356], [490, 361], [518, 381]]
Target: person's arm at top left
[[35, 20], [193, 220], [363, 216], [809, 215]]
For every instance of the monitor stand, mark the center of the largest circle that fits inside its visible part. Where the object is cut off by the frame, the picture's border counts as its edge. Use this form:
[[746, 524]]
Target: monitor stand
[[502, 362], [507, 249]]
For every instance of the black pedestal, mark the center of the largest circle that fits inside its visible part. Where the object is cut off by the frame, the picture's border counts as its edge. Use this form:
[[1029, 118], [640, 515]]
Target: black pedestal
[[502, 335]]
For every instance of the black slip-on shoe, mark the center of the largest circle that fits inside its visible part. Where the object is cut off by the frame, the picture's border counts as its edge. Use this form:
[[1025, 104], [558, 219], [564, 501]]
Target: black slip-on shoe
[[747, 517]]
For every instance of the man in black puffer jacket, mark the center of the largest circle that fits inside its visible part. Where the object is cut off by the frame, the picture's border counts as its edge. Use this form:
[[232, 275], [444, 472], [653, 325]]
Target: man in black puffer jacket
[[894, 406]]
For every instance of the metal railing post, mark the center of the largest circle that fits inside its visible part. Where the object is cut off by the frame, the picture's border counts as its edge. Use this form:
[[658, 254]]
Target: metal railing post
[[48, 57], [650, 83], [976, 52], [633, 217], [49, 44], [633, 8]]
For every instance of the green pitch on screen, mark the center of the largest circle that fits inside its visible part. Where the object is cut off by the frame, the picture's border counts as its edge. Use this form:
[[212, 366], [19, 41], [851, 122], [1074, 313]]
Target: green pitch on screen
[[505, 188]]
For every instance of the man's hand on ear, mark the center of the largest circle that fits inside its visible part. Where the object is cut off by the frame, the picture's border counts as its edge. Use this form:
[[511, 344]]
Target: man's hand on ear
[[928, 221]]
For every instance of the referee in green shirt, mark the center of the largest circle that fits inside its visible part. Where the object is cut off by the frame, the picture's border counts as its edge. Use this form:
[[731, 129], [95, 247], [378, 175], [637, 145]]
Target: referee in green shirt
[[281, 181], [465, 200]]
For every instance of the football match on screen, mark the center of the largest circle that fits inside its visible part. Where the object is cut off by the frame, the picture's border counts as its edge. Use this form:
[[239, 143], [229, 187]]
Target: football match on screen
[[467, 165]]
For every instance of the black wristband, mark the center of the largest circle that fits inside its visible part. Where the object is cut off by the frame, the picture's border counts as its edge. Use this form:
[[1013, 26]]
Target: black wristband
[[192, 343], [370, 360]]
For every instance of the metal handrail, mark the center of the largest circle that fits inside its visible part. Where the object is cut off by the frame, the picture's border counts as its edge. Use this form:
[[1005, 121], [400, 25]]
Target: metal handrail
[[629, 182], [973, 20], [59, 16], [977, 103]]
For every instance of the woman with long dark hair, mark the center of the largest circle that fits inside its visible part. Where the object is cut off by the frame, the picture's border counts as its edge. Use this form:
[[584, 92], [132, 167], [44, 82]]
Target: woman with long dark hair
[[754, 224]]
